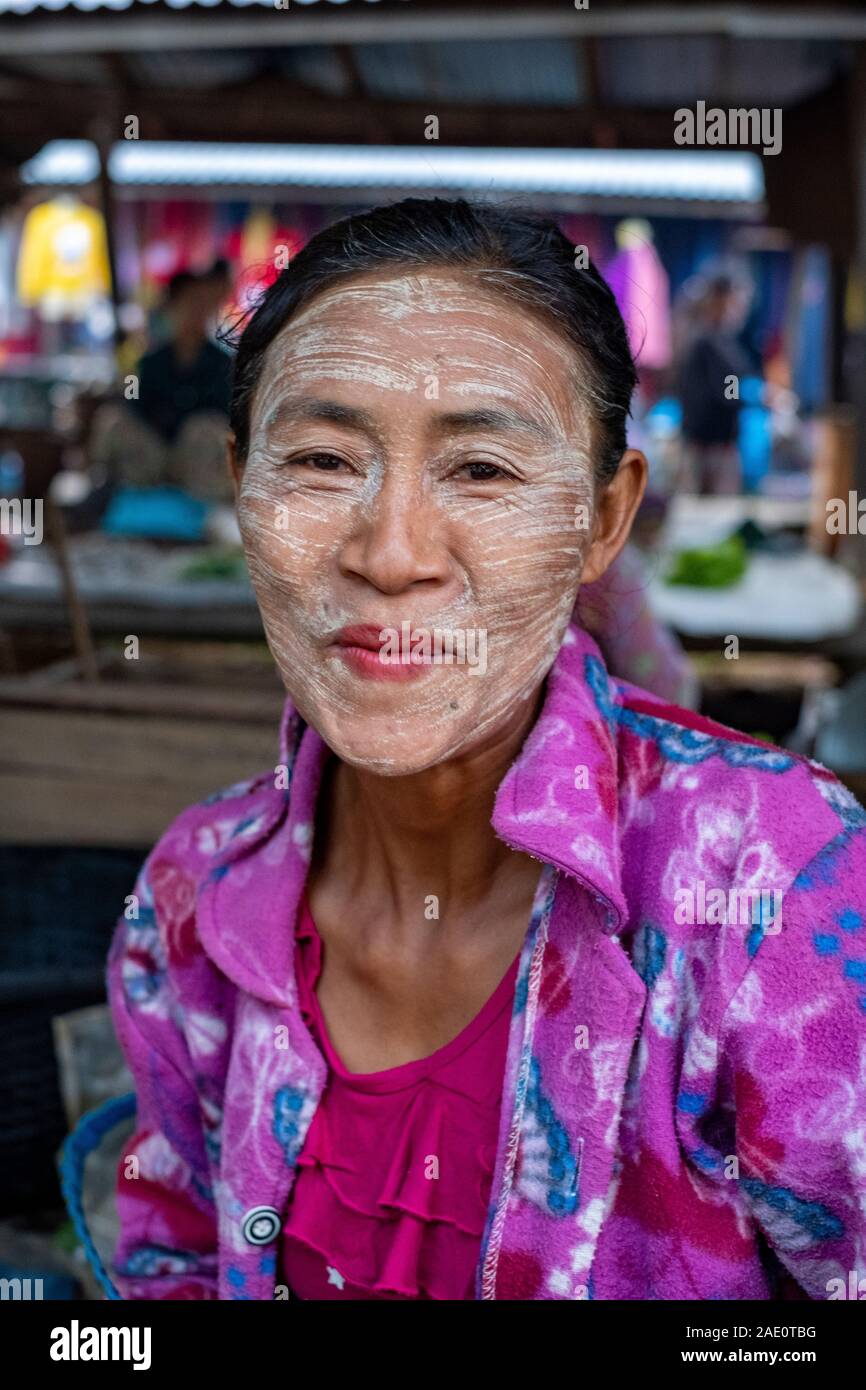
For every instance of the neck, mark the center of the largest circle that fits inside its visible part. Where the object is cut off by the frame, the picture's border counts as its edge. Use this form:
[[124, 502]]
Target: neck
[[187, 347], [399, 840]]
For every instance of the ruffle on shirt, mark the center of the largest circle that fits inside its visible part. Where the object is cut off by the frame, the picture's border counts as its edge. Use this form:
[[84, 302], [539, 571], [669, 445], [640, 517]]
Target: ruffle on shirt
[[410, 1238], [417, 1131]]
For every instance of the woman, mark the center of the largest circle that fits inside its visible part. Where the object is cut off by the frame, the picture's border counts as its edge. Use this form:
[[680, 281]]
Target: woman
[[461, 1000]]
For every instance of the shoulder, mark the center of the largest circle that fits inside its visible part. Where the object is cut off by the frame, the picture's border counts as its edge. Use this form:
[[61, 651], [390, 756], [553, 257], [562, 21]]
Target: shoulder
[[156, 936], [203, 830], [214, 353], [157, 359], [760, 854], [713, 798], [726, 757], [699, 351]]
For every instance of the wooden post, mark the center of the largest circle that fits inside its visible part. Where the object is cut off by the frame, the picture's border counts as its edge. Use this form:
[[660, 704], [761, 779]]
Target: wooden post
[[82, 638], [104, 134]]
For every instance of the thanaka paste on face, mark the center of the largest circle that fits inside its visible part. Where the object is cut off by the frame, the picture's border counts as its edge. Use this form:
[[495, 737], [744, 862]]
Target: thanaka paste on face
[[402, 533]]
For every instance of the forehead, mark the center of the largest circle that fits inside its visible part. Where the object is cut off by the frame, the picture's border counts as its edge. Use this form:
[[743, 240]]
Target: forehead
[[435, 298], [392, 330]]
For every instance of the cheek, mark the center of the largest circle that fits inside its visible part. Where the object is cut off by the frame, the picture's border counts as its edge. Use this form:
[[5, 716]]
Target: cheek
[[286, 530], [525, 551]]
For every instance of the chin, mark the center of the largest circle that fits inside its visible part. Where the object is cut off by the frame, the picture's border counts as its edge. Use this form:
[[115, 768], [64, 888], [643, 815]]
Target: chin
[[372, 747]]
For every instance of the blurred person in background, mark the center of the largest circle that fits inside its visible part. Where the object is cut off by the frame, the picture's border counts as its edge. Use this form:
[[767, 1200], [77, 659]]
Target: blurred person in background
[[712, 357], [171, 428], [217, 284]]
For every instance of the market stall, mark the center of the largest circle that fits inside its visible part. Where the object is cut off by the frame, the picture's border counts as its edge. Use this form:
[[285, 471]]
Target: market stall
[[157, 152]]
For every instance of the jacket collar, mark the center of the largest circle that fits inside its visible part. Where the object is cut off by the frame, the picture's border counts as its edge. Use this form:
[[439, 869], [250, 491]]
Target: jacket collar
[[557, 802]]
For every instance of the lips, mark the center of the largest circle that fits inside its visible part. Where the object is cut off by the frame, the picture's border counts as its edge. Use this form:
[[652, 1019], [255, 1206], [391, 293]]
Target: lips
[[364, 635], [360, 647]]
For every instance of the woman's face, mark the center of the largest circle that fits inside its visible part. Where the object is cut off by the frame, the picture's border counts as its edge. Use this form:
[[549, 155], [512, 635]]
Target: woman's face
[[419, 464]]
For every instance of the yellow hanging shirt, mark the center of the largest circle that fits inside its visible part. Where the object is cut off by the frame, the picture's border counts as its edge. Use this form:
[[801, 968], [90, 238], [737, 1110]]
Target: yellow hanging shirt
[[63, 260]]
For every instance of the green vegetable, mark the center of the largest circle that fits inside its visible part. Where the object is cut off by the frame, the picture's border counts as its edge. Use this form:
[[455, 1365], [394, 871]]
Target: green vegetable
[[218, 563], [710, 566]]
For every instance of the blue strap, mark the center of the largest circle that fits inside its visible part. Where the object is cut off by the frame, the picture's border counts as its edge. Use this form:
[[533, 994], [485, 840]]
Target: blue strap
[[84, 1138]]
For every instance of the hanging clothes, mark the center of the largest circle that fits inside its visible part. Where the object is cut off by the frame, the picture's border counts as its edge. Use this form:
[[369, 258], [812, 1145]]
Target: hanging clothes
[[63, 259], [642, 290], [811, 327]]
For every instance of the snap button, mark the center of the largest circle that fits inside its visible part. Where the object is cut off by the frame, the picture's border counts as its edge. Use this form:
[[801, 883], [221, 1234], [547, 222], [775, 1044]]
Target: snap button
[[261, 1225]]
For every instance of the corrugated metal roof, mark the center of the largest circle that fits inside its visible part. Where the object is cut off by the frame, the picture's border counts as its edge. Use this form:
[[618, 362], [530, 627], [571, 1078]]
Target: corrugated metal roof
[[696, 176], [27, 6], [537, 72], [660, 73], [317, 66], [667, 70], [192, 71]]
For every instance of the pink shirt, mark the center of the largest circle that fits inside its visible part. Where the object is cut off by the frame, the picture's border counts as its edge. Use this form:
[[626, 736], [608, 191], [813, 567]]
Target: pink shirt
[[368, 1215]]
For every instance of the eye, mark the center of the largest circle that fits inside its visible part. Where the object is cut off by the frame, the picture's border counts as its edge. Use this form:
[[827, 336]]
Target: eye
[[480, 472], [322, 463]]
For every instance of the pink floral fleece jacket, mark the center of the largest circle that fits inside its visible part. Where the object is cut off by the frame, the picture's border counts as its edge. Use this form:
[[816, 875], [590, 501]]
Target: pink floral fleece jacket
[[684, 1101]]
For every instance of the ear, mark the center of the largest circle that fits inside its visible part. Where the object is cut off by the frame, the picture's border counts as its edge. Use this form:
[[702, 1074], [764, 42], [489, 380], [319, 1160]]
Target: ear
[[234, 465], [616, 505]]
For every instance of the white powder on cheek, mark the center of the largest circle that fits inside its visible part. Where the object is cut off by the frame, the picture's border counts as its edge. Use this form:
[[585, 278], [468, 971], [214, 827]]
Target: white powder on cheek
[[507, 564]]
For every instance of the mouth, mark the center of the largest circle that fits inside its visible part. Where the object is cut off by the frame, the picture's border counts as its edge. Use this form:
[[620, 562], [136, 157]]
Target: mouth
[[367, 653]]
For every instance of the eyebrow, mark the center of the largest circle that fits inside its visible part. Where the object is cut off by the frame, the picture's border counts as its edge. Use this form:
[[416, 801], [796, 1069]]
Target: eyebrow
[[312, 408], [501, 421]]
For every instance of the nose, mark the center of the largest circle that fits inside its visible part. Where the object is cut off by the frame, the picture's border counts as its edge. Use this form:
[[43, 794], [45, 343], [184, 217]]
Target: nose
[[400, 541]]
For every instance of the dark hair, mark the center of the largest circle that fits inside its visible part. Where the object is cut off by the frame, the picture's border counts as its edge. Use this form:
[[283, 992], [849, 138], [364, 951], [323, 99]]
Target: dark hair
[[722, 283], [520, 254], [219, 270], [179, 284]]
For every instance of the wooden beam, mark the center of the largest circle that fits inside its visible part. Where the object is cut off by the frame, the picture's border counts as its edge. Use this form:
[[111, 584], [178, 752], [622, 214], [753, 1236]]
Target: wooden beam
[[271, 109], [377, 130], [605, 134], [88, 778], [257, 27]]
